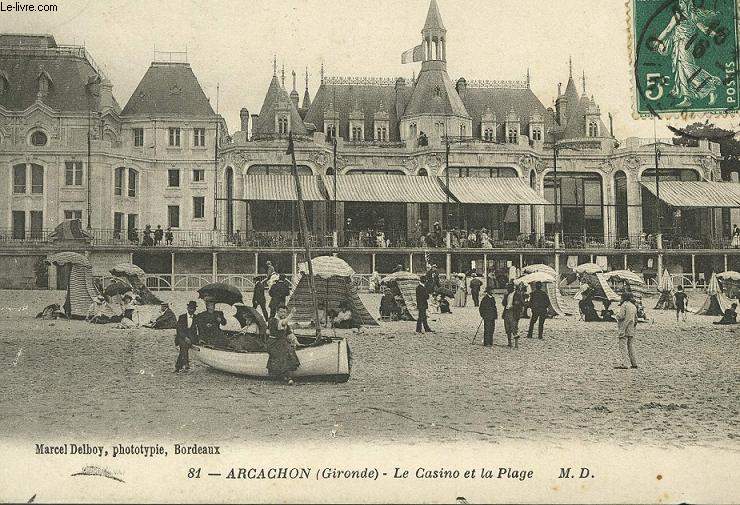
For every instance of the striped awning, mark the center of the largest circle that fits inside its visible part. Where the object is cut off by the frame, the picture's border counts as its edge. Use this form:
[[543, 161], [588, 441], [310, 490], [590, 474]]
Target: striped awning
[[386, 188], [697, 193], [282, 188], [497, 190]]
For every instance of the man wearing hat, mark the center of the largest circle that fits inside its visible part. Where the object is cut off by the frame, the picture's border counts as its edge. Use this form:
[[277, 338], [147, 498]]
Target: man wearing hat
[[165, 320], [489, 313], [540, 303], [186, 336], [626, 316]]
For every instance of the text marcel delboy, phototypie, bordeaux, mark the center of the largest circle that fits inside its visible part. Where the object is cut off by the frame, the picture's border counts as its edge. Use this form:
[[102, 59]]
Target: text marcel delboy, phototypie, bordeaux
[[301, 473]]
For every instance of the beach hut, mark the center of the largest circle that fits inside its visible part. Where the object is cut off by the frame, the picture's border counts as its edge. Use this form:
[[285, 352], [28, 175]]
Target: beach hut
[[69, 231], [81, 290], [716, 301], [135, 277], [333, 284], [730, 283], [665, 288], [406, 282], [598, 282], [551, 288]]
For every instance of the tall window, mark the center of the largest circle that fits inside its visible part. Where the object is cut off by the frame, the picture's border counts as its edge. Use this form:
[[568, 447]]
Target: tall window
[[199, 137], [513, 136], [282, 125], [37, 179], [356, 133], [199, 207], [536, 133], [173, 216], [37, 224], [199, 175], [173, 178], [331, 131], [73, 173], [412, 130], [138, 137], [73, 214], [117, 224], [133, 179], [381, 133], [488, 135], [19, 179], [19, 224], [174, 137], [118, 176], [462, 130], [593, 129]]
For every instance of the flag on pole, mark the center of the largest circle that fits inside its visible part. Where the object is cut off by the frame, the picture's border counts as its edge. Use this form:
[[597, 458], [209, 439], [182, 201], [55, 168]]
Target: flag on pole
[[412, 55]]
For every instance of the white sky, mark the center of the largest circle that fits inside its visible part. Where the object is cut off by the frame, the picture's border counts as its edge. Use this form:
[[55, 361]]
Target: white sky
[[232, 43]]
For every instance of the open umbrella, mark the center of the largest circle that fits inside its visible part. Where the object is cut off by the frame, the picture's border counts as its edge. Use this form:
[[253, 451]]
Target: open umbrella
[[729, 275], [244, 312], [68, 258], [126, 269], [117, 287], [625, 275], [535, 277], [325, 267], [530, 269], [588, 268], [218, 292]]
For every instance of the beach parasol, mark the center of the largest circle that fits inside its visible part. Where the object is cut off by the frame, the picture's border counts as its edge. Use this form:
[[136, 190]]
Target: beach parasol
[[399, 276], [588, 268], [713, 288], [325, 267], [244, 312], [117, 287], [68, 258], [627, 276], [535, 277], [530, 269], [729, 275], [218, 292], [666, 283], [126, 269]]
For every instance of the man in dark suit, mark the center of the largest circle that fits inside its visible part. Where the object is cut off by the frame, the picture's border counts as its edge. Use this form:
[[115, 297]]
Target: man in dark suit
[[539, 303], [208, 326], [422, 304], [489, 313], [186, 336], [279, 292]]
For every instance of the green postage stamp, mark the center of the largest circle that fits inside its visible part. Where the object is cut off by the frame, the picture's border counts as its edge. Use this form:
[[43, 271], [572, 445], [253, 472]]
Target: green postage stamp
[[685, 55]]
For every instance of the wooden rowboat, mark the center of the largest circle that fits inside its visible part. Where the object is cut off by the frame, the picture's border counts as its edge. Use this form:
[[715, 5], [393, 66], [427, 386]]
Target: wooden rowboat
[[328, 361]]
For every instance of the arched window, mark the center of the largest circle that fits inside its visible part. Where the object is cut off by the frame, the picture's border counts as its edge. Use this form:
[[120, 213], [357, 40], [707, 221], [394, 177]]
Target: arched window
[[536, 133], [620, 203], [593, 129], [282, 125], [513, 136], [412, 130], [423, 172], [357, 133], [462, 130], [133, 182], [331, 131], [488, 135]]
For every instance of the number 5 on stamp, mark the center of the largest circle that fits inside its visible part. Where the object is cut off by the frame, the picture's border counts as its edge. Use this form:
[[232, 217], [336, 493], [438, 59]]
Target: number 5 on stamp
[[685, 55]]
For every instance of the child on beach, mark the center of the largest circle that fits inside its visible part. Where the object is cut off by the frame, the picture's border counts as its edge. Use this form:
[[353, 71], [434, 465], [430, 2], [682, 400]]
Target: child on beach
[[681, 301]]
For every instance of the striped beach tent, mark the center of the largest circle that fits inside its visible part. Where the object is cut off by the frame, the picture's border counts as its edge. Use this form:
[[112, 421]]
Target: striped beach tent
[[69, 230], [333, 284], [407, 283], [134, 276], [716, 301], [81, 290]]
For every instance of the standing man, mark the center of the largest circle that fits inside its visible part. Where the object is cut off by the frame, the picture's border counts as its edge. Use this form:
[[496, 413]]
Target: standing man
[[475, 285], [422, 304], [539, 303], [681, 300], [279, 292], [270, 271], [258, 296], [626, 317], [185, 336], [489, 313], [158, 235]]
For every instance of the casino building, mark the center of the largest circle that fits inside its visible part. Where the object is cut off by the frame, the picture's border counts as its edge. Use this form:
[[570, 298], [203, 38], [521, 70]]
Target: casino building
[[383, 162]]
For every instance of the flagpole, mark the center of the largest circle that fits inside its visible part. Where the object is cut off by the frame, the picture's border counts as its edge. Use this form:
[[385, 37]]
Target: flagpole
[[304, 231]]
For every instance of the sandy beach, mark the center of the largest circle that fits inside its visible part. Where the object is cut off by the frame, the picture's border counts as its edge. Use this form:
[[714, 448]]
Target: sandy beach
[[72, 379]]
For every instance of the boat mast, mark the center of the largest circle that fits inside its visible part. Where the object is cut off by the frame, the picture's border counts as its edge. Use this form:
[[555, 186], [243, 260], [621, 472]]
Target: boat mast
[[304, 233]]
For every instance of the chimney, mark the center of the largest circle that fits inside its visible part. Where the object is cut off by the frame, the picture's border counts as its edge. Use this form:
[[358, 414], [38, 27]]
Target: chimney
[[244, 115], [461, 87]]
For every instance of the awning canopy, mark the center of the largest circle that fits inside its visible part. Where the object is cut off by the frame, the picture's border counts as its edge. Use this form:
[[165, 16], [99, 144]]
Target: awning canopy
[[282, 188], [497, 190], [697, 194], [386, 188]]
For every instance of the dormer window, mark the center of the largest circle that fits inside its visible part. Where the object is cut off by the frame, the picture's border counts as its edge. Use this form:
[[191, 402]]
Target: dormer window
[[593, 129], [381, 134], [44, 83], [331, 131], [282, 125], [357, 133], [488, 135], [537, 133], [513, 135], [462, 130]]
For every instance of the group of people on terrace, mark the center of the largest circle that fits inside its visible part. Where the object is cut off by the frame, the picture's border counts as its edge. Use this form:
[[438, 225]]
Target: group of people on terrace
[[148, 237]]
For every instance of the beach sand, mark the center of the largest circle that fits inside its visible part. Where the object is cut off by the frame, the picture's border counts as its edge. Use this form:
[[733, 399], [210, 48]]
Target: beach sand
[[72, 380]]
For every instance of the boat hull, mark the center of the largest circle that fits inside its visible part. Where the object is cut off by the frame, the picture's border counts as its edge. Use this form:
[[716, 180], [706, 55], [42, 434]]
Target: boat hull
[[329, 360]]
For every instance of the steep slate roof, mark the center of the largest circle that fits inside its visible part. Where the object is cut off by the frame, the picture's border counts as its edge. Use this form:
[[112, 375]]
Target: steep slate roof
[[169, 89], [275, 98], [501, 101], [67, 68], [434, 19], [434, 93], [344, 98]]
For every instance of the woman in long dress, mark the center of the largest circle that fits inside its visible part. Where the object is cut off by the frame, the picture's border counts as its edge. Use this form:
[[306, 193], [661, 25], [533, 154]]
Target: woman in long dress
[[461, 293], [690, 79], [283, 360]]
